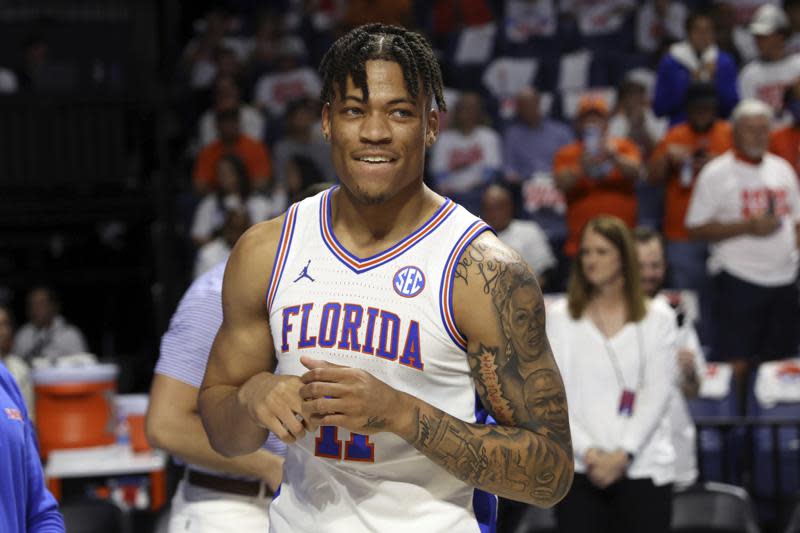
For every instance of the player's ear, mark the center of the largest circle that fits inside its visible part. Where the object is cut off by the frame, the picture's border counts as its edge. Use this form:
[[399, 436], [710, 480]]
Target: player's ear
[[432, 129], [326, 121]]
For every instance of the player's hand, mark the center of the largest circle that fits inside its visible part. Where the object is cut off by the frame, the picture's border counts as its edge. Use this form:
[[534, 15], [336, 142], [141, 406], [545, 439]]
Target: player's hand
[[763, 225], [350, 398], [274, 404]]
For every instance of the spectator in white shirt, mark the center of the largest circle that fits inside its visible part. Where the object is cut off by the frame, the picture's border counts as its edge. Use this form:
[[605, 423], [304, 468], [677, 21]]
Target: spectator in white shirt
[[767, 77], [467, 157], [524, 236], [689, 356], [746, 203], [616, 352], [227, 96], [47, 335], [233, 193], [274, 90], [216, 251]]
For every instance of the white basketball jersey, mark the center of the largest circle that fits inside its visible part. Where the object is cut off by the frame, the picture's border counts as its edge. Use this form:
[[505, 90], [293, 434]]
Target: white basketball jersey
[[391, 315]]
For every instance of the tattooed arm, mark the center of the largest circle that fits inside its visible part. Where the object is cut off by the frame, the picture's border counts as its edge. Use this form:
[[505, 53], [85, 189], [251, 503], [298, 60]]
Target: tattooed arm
[[528, 456], [498, 306]]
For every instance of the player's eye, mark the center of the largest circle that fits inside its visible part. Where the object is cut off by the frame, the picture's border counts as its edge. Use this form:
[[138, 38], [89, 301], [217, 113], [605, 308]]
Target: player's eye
[[402, 113], [352, 111]]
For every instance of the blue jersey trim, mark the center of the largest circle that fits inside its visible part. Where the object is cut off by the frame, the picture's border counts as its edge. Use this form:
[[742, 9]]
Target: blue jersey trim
[[457, 250], [290, 218]]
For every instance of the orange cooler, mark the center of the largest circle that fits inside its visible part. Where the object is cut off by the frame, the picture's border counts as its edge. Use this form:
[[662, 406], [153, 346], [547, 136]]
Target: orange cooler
[[131, 411], [75, 406]]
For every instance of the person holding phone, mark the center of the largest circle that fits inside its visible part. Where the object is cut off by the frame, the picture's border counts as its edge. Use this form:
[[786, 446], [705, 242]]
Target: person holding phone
[[597, 174]]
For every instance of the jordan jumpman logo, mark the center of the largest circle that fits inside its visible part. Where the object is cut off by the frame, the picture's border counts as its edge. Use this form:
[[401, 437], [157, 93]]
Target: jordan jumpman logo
[[304, 273]]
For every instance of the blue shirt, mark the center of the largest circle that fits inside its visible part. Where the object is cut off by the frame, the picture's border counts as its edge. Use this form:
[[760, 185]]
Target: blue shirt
[[186, 345], [26, 506], [527, 150]]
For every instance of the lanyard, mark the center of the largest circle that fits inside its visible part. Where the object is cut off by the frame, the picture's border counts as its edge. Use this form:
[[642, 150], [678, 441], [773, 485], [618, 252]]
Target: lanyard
[[612, 356]]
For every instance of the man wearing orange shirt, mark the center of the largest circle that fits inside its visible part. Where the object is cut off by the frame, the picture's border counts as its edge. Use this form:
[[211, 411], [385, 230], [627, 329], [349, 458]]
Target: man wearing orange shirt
[[231, 141], [597, 174], [785, 142], [677, 160]]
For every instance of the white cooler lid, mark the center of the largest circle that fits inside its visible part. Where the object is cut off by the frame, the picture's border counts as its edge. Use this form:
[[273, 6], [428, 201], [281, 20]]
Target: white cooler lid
[[78, 374]]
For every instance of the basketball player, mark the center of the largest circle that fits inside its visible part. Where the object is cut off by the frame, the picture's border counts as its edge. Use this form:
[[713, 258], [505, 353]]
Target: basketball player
[[359, 326]]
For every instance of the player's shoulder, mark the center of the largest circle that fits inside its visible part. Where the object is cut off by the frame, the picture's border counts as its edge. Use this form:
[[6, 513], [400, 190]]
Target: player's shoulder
[[254, 253], [487, 257]]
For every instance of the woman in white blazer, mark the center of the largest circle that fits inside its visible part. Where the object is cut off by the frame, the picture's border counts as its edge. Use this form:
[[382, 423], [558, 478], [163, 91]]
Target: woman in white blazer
[[615, 350]]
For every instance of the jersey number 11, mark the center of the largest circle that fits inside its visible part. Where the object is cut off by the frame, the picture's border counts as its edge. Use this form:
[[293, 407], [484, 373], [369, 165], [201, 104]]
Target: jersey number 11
[[357, 448]]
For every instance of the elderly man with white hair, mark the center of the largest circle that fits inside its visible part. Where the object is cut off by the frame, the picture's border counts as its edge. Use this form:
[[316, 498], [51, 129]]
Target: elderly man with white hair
[[747, 203]]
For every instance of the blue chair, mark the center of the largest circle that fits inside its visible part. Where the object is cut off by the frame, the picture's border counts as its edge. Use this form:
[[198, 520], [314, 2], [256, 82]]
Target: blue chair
[[712, 444], [765, 453]]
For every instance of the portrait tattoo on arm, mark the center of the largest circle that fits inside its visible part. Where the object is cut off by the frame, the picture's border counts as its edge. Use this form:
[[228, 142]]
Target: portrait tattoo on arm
[[528, 456]]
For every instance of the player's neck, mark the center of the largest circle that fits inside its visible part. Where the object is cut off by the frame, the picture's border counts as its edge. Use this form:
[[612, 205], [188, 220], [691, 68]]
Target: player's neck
[[370, 229]]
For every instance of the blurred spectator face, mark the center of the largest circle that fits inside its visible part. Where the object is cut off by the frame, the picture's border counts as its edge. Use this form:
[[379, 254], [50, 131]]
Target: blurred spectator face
[[751, 136], [468, 112], [652, 266], [227, 177], [600, 261], [701, 115], [771, 46], [633, 100], [6, 331], [701, 33], [215, 25], [661, 6], [227, 63], [497, 207], [591, 119], [41, 308], [236, 223], [528, 107], [301, 120], [226, 90], [228, 128]]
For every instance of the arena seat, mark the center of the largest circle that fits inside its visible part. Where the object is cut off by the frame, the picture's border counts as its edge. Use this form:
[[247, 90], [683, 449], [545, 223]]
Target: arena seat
[[712, 444], [536, 520], [793, 524], [713, 508], [92, 516], [778, 383]]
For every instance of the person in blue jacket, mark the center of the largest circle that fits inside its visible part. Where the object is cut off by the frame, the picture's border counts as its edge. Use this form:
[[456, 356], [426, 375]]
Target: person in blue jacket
[[697, 59], [26, 506]]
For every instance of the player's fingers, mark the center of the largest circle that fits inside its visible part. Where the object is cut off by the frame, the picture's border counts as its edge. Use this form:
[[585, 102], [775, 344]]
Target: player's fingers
[[333, 420], [333, 375], [320, 389], [275, 427], [311, 363], [289, 420], [321, 406]]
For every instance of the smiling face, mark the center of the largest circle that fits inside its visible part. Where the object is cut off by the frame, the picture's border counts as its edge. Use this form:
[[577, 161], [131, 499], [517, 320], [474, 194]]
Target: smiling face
[[600, 260], [378, 145]]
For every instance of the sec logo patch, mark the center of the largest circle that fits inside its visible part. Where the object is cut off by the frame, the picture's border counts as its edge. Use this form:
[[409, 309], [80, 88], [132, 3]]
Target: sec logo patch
[[409, 281]]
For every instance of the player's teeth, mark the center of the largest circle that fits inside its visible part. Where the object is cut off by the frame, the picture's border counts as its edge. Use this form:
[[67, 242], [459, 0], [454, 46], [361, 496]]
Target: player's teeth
[[375, 159]]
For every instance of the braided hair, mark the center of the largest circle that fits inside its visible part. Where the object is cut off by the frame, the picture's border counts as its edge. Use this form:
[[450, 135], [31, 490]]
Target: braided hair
[[349, 54]]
